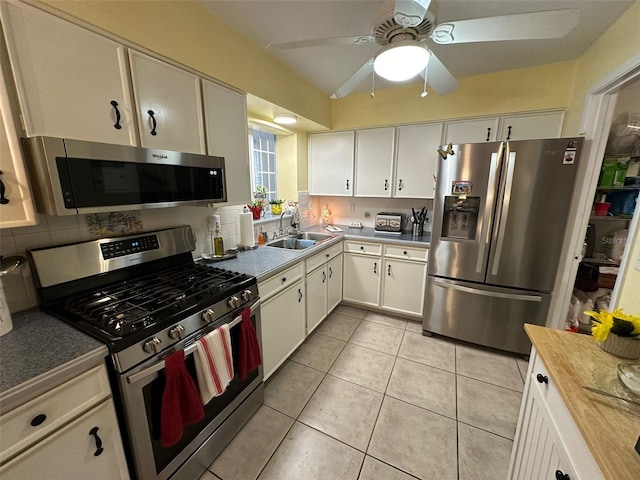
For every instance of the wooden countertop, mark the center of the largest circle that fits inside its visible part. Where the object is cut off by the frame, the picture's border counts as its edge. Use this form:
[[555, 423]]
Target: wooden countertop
[[610, 427]]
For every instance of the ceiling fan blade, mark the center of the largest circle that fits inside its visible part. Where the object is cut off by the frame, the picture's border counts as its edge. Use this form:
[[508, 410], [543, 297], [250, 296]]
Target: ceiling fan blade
[[409, 13], [321, 42], [439, 77], [523, 26], [347, 87]]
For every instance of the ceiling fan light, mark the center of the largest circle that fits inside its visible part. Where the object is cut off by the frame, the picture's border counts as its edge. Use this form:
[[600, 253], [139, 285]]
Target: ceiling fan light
[[285, 119], [401, 61]]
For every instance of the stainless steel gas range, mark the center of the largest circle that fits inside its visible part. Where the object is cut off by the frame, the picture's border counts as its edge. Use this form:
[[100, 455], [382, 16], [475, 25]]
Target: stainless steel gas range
[[145, 298]]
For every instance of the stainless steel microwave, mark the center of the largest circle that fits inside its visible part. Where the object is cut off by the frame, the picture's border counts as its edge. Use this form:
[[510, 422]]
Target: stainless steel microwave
[[72, 177]]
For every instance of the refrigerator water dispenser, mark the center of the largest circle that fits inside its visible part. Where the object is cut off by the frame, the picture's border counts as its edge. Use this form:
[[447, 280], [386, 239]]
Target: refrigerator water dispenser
[[460, 217]]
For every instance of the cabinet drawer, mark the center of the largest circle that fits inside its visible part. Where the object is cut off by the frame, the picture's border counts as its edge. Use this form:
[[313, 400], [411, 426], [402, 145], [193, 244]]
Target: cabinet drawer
[[324, 256], [279, 281], [363, 247], [409, 253], [540, 378], [31, 421]]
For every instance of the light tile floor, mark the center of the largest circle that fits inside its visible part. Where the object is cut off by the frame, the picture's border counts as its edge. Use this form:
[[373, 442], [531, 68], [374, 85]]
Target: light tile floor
[[367, 397]]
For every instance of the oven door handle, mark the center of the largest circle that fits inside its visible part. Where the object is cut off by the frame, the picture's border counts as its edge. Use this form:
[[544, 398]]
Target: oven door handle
[[136, 377]]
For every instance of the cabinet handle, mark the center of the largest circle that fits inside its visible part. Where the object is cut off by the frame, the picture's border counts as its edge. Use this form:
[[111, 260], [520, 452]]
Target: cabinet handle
[[542, 378], [400, 184], [347, 184], [375, 267], [153, 122], [3, 200], [386, 184], [560, 475], [330, 272], [389, 270], [99, 449], [488, 134], [509, 132], [38, 420], [299, 295], [284, 279], [324, 276], [117, 125]]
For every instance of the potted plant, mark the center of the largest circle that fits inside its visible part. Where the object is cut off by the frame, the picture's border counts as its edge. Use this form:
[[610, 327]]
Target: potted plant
[[276, 206], [256, 208], [616, 332], [261, 192]]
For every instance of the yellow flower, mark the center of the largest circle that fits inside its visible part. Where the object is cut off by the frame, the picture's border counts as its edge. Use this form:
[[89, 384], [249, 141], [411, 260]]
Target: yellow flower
[[617, 322], [602, 325]]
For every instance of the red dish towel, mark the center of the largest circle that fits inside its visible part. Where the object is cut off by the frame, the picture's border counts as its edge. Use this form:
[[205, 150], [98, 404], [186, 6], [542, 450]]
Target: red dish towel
[[214, 363], [181, 404], [249, 347]]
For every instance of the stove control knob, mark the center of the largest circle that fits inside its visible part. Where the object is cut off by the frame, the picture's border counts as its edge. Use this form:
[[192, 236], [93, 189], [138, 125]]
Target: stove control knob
[[233, 302], [176, 332], [151, 346], [246, 295], [208, 315]]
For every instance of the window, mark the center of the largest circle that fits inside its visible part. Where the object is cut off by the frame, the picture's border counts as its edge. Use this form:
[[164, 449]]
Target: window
[[263, 148]]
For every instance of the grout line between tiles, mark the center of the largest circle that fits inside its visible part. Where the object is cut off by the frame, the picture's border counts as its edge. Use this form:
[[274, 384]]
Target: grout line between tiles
[[392, 466], [490, 383]]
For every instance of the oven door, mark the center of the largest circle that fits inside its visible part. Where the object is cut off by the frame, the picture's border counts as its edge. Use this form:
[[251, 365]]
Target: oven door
[[141, 392]]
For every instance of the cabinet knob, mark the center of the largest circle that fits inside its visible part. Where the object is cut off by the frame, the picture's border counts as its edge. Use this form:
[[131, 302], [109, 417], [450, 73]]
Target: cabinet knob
[[284, 279], [361, 247], [98, 440], [560, 475], [542, 378], [38, 420]]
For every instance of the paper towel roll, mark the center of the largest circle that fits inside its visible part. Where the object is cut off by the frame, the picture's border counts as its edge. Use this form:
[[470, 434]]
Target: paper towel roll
[[246, 229]]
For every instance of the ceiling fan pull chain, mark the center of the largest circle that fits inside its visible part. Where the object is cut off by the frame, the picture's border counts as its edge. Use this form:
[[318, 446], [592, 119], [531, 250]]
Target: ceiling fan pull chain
[[424, 88], [373, 83]]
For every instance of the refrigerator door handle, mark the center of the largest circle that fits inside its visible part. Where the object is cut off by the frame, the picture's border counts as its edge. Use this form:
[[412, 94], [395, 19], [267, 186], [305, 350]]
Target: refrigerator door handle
[[486, 293], [511, 162], [485, 234]]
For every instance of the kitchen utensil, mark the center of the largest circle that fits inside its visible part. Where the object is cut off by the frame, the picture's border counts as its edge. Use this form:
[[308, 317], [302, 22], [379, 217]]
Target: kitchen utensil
[[417, 229], [7, 264], [610, 395], [629, 376]]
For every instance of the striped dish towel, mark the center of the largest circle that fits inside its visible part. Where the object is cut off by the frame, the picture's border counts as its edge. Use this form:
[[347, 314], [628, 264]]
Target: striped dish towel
[[214, 363]]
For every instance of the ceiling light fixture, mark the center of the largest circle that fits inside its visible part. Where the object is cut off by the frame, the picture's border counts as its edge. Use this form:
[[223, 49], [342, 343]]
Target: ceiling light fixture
[[401, 61], [285, 118]]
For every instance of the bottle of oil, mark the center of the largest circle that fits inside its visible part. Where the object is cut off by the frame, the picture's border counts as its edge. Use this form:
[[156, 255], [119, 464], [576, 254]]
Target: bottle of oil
[[218, 243]]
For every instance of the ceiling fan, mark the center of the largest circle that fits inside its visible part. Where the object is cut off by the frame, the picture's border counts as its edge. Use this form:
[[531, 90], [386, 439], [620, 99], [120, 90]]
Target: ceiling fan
[[404, 33]]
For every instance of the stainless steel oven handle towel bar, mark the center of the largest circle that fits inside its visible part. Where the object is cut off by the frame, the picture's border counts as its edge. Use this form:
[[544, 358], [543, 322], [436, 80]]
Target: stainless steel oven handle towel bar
[[187, 351]]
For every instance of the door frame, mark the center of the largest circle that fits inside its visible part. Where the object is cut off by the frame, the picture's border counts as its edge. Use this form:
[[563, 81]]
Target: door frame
[[597, 117]]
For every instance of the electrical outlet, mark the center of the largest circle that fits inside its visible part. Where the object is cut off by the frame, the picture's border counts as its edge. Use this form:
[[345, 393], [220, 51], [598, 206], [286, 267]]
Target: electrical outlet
[[352, 207], [355, 225]]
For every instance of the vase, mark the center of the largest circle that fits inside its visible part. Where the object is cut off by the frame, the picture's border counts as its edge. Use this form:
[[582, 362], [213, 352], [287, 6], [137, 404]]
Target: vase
[[624, 347], [276, 209], [257, 212]]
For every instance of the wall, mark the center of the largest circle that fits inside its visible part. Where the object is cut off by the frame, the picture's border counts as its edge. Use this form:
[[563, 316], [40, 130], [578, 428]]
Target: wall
[[536, 88], [287, 158]]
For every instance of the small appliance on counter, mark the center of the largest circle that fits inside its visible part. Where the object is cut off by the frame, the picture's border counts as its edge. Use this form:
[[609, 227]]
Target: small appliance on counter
[[389, 222]]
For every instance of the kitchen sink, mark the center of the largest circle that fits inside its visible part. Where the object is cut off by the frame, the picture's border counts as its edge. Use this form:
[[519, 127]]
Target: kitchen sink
[[314, 236], [300, 241]]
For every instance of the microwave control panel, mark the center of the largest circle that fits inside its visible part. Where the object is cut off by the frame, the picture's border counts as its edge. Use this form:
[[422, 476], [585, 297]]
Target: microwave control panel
[[120, 248]]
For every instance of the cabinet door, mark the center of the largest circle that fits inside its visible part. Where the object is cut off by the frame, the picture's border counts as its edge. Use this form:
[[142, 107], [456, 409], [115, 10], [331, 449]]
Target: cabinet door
[[67, 78], [374, 162], [471, 131], [225, 113], [316, 297], [361, 279], [283, 326], [403, 286], [168, 104], [334, 288], [417, 161], [71, 451], [532, 126], [331, 163]]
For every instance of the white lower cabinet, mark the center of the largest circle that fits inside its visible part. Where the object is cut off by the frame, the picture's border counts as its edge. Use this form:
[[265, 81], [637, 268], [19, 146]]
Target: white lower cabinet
[[548, 444], [324, 284], [283, 325], [403, 286], [316, 297], [334, 287], [361, 282]]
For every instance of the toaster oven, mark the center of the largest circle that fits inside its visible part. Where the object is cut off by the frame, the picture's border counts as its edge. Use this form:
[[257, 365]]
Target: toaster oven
[[389, 222]]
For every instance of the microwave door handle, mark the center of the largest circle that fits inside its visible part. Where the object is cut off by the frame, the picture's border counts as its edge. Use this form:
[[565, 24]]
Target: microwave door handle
[[485, 231], [502, 224], [136, 377]]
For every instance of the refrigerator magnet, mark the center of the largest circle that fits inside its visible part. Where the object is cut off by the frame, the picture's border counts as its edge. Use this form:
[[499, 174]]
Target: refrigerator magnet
[[569, 157], [459, 187]]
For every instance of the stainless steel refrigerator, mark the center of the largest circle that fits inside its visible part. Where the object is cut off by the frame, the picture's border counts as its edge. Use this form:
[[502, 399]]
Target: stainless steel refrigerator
[[500, 215]]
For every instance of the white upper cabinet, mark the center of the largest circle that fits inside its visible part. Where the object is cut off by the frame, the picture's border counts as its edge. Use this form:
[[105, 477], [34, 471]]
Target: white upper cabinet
[[71, 82], [331, 163], [169, 105], [417, 160], [532, 126], [374, 162], [225, 113], [471, 131]]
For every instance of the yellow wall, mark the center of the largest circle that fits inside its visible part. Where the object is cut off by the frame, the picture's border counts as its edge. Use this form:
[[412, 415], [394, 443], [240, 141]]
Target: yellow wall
[[536, 88], [186, 32], [287, 155]]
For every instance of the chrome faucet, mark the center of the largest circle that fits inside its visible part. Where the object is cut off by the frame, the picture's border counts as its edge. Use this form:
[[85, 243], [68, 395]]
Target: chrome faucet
[[295, 221]]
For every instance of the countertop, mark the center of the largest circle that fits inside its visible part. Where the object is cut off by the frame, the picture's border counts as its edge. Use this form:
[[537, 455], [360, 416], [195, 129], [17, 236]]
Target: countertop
[[40, 353], [265, 261], [609, 428]]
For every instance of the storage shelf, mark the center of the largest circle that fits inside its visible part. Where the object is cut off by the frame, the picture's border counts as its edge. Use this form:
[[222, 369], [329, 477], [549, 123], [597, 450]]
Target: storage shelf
[[603, 262], [609, 218], [618, 189]]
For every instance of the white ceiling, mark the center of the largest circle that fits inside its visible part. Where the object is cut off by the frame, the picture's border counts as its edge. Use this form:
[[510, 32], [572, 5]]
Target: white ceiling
[[277, 21]]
